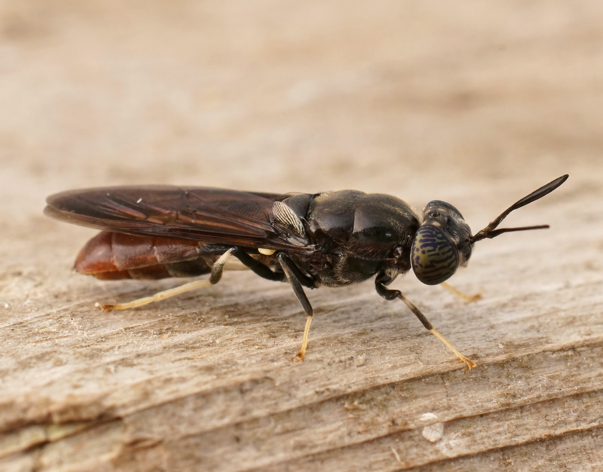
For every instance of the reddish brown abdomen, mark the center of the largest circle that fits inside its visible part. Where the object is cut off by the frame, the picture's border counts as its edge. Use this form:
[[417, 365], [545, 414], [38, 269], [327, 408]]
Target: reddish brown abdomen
[[112, 256]]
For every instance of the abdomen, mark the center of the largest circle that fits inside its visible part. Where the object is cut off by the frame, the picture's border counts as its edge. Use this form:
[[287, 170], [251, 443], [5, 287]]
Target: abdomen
[[112, 256]]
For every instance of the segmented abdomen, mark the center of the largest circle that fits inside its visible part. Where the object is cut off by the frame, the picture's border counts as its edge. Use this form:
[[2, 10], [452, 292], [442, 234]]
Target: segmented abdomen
[[112, 256]]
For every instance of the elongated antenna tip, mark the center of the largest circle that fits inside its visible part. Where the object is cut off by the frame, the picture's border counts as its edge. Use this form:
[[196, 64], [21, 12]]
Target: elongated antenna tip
[[490, 231]]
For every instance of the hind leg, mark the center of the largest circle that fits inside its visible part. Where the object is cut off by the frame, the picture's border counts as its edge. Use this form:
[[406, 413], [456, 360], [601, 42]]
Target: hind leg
[[214, 278]]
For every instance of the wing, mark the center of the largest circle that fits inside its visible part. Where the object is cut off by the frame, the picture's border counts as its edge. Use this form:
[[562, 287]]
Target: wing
[[198, 213]]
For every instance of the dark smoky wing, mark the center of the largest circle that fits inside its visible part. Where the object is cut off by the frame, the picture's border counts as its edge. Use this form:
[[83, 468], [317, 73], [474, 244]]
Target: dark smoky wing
[[198, 213]]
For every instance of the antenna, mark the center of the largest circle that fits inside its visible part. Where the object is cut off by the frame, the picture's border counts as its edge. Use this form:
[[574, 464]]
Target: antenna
[[490, 231]]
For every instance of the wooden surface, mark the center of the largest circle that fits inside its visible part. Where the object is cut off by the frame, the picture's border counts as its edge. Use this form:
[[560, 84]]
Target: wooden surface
[[470, 102]]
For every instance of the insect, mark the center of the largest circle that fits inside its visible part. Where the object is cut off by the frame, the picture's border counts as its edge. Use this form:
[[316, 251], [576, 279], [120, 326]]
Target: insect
[[309, 240]]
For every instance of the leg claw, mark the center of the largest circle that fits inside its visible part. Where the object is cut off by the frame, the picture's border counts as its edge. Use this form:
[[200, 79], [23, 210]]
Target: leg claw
[[299, 357], [468, 363], [105, 308]]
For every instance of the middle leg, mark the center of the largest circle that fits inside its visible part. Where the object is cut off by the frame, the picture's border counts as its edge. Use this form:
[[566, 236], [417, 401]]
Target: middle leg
[[290, 271], [294, 276]]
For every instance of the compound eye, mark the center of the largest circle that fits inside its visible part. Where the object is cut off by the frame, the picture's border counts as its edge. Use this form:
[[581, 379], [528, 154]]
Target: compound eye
[[434, 256]]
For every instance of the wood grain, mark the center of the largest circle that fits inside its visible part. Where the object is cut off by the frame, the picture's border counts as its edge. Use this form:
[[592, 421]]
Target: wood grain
[[476, 104]]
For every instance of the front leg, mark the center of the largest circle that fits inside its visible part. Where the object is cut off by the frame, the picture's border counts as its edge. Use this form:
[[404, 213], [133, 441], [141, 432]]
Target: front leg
[[390, 294]]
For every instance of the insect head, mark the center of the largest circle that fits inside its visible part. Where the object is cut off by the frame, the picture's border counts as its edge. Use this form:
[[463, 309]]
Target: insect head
[[444, 242]]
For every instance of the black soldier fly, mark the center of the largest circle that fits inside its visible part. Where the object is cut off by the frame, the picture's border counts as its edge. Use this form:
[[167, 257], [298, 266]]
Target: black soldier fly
[[330, 239]]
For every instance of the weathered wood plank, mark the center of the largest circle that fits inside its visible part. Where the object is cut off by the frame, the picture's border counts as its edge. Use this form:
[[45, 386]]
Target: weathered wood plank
[[574, 451], [476, 105]]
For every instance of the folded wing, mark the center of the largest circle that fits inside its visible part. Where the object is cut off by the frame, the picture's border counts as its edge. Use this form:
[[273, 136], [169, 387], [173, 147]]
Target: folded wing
[[198, 213]]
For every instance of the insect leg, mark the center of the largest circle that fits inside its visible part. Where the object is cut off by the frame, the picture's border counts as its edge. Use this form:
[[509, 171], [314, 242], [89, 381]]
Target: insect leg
[[288, 268], [263, 271], [214, 278], [458, 293], [389, 294], [257, 267]]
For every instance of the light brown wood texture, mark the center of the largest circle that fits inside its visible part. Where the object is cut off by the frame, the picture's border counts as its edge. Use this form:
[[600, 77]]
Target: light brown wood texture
[[476, 103]]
